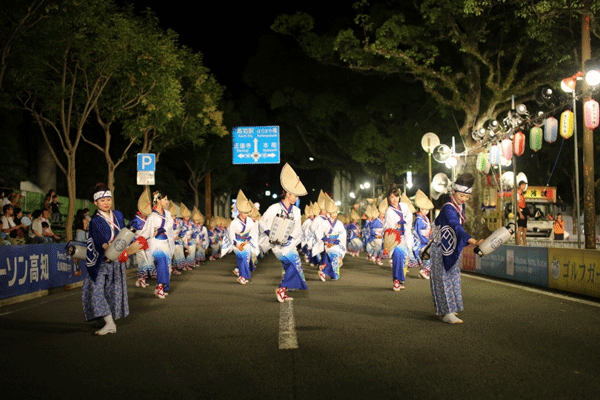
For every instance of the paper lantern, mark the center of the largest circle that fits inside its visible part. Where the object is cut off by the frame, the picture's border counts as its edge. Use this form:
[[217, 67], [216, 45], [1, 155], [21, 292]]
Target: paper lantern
[[507, 148], [494, 154], [519, 143], [591, 114], [550, 129], [566, 124], [481, 162], [535, 138]]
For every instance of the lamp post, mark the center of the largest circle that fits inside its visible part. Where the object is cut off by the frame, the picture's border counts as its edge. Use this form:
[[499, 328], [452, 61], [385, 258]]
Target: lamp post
[[430, 141]]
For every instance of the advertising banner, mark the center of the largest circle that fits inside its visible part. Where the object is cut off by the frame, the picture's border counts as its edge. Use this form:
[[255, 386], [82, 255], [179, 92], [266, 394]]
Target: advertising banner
[[33, 267], [575, 271]]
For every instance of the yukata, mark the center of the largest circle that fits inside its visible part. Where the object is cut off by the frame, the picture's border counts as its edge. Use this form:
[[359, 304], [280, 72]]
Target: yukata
[[161, 245], [332, 242], [286, 252], [187, 238], [200, 236], [374, 245], [143, 260], [394, 219], [215, 247], [178, 260], [449, 239], [306, 237], [104, 289], [316, 255], [355, 244], [422, 234], [241, 233]]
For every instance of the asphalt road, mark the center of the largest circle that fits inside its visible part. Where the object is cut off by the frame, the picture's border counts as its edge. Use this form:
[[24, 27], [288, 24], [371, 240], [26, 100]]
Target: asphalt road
[[355, 338]]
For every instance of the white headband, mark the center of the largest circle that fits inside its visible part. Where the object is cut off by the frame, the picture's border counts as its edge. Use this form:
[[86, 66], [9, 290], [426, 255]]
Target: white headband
[[101, 194], [462, 189]]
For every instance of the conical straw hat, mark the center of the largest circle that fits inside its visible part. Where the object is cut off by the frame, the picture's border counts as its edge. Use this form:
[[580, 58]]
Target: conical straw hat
[[290, 181], [422, 201], [145, 203], [185, 212], [404, 199], [322, 200], [242, 203], [197, 216], [307, 210], [331, 207], [173, 210], [383, 206], [354, 215]]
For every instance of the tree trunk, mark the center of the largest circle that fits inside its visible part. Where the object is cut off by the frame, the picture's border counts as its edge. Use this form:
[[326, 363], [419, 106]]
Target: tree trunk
[[71, 186]]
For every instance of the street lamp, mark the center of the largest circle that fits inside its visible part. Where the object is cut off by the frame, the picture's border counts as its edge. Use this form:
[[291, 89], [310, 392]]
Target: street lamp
[[429, 141]]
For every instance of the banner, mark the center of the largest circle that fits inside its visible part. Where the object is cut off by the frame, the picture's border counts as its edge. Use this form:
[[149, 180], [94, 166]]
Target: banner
[[575, 271], [33, 267]]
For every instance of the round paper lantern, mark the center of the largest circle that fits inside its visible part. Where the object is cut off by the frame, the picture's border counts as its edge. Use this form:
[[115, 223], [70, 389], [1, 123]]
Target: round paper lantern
[[507, 148], [535, 138], [566, 124], [519, 143], [550, 129], [494, 154], [481, 162], [591, 114]]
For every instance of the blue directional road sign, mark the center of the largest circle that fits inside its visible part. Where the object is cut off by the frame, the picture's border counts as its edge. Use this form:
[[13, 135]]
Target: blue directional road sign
[[256, 145]]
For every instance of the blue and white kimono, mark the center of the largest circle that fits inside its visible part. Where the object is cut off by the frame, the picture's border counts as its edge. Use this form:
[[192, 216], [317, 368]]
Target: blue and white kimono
[[215, 244], [319, 223], [158, 231], [449, 239], [333, 242], [355, 243], [287, 252], [200, 236], [241, 234], [186, 235], [143, 259], [374, 244], [178, 260], [306, 234], [394, 219], [422, 234], [105, 287]]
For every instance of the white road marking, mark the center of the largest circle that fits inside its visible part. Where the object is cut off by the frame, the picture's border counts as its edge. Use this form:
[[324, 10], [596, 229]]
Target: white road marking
[[533, 290], [287, 327]]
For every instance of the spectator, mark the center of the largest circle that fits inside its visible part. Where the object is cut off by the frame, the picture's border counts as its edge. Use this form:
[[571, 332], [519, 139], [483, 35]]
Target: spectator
[[54, 208], [15, 200], [522, 214], [48, 200], [40, 228], [19, 234], [8, 224], [559, 227], [5, 199], [81, 226]]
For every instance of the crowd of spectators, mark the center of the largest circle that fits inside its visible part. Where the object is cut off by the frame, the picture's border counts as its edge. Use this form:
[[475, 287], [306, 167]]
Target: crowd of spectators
[[35, 228]]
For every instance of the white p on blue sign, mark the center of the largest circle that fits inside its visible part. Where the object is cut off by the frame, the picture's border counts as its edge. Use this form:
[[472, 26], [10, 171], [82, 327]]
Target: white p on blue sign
[[146, 162], [256, 145]]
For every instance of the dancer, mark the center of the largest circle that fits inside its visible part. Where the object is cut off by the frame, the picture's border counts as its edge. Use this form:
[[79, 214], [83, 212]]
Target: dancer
[[104, 293], [144, 263], [422, 232], [282, 224], [186, 234], [332, 243], [200, 237], [158, 231], [240, 239], [355, 244], [395, 220], [449, 238]]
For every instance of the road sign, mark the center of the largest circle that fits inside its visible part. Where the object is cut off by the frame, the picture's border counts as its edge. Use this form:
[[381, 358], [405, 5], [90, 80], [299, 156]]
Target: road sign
[[145, 178], [146, 162], [256, 145]]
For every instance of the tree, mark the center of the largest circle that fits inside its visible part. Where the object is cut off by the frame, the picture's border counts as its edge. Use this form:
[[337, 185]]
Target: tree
[[468, 55]]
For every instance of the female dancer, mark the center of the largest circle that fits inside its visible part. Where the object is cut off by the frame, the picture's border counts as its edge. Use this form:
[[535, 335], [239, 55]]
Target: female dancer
[[158, 231], [422, 232], [395, 219], [449, 239], [104, 293]]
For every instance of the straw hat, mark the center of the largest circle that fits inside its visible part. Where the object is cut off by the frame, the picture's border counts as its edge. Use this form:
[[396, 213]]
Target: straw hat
[[307, 210], [254, 214], [422, 201], [173, 210], [322, 200], [354, 215], [242, 203], [331, 207], [315, 209], [404, 199], [290, 181], [145, 203], [197, 216], [185, 212], [383, 206]]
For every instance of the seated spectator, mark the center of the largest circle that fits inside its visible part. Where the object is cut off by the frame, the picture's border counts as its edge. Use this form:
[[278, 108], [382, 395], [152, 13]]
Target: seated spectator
[[81, 226], [48, 200], [20, 234], [15, 200], [40, 230], [9, 226]]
